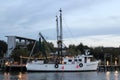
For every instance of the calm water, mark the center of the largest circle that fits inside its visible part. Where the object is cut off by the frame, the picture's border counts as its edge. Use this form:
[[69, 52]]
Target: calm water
[[60, 76]]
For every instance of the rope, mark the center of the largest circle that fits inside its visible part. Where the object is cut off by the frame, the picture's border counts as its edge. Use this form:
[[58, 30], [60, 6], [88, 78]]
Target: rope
[[32, 51], [68, 28]]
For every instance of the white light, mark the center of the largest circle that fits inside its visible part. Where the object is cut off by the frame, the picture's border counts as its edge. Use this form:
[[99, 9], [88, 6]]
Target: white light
[[6, 63]]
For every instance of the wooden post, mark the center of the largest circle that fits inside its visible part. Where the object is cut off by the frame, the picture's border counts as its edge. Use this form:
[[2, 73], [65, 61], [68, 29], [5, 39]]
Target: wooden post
[[104, 62], [21, 62], [111, 60], [119, 60]]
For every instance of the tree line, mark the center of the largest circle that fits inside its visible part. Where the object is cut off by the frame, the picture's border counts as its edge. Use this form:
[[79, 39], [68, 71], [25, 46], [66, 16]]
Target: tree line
[[97, 52]]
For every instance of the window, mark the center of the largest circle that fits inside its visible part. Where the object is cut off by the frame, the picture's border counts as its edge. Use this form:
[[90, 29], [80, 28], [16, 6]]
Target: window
[[75, 60], [80, 59], [65, 62], [69, 60]]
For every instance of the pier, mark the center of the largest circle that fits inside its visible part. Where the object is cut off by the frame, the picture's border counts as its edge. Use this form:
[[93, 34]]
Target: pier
[[21, 68], [109, 68]]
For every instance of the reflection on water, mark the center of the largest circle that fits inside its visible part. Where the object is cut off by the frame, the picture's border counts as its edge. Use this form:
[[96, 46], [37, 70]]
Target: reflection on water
[[116, 75], [60, 75], [112, 75], [15, 76], [7, 76], [107, 75]]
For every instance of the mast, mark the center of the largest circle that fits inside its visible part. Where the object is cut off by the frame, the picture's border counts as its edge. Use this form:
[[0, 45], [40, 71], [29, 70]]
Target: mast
[[57, 28], [59, 36]]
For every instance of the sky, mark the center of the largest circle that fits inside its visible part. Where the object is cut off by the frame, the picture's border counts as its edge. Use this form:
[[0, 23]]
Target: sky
[[91, 22]]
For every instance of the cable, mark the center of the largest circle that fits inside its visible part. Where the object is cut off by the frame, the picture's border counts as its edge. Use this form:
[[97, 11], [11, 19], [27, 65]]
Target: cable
[[68, 28]]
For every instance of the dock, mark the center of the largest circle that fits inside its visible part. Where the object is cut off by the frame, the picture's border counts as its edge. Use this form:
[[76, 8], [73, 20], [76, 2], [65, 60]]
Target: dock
[[21, 68], [109, 68]]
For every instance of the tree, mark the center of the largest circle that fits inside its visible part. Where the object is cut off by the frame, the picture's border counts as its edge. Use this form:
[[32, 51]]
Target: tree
[[16, 53], [41, 48], [98, 52], [3, 48], [73, 50], [82, 48]]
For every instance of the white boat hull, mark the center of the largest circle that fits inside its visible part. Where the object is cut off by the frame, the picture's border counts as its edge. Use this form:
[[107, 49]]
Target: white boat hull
[[62, 67]]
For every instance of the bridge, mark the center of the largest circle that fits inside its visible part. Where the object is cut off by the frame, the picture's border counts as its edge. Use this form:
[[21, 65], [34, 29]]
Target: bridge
[[13, 41]]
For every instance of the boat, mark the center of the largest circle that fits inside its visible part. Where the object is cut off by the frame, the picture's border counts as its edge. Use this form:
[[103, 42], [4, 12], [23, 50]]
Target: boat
[[84, 62], [69, 64]]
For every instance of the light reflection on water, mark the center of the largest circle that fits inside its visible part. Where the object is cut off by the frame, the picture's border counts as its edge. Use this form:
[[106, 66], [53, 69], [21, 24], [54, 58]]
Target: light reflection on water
[[112, 75], [60, 75], [14, 76]]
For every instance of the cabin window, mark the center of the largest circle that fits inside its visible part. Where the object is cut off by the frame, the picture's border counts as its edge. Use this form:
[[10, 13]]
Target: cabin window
[[65, 62], [75, 60], [90, 59], [80, 59], [69, 60], [85, 59]]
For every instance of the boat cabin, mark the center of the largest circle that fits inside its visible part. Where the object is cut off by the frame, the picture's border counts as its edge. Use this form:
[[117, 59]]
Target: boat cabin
[[78, 59]]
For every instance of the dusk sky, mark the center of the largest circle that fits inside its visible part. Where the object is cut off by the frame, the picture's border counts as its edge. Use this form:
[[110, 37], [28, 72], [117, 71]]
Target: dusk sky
[[91, 22]]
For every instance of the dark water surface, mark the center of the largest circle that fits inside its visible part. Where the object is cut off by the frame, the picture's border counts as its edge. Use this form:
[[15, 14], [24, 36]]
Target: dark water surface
[[60, 76]]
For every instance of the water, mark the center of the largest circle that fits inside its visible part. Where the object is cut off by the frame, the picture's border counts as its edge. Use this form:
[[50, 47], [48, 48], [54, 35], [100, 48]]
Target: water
[[60, 76]]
